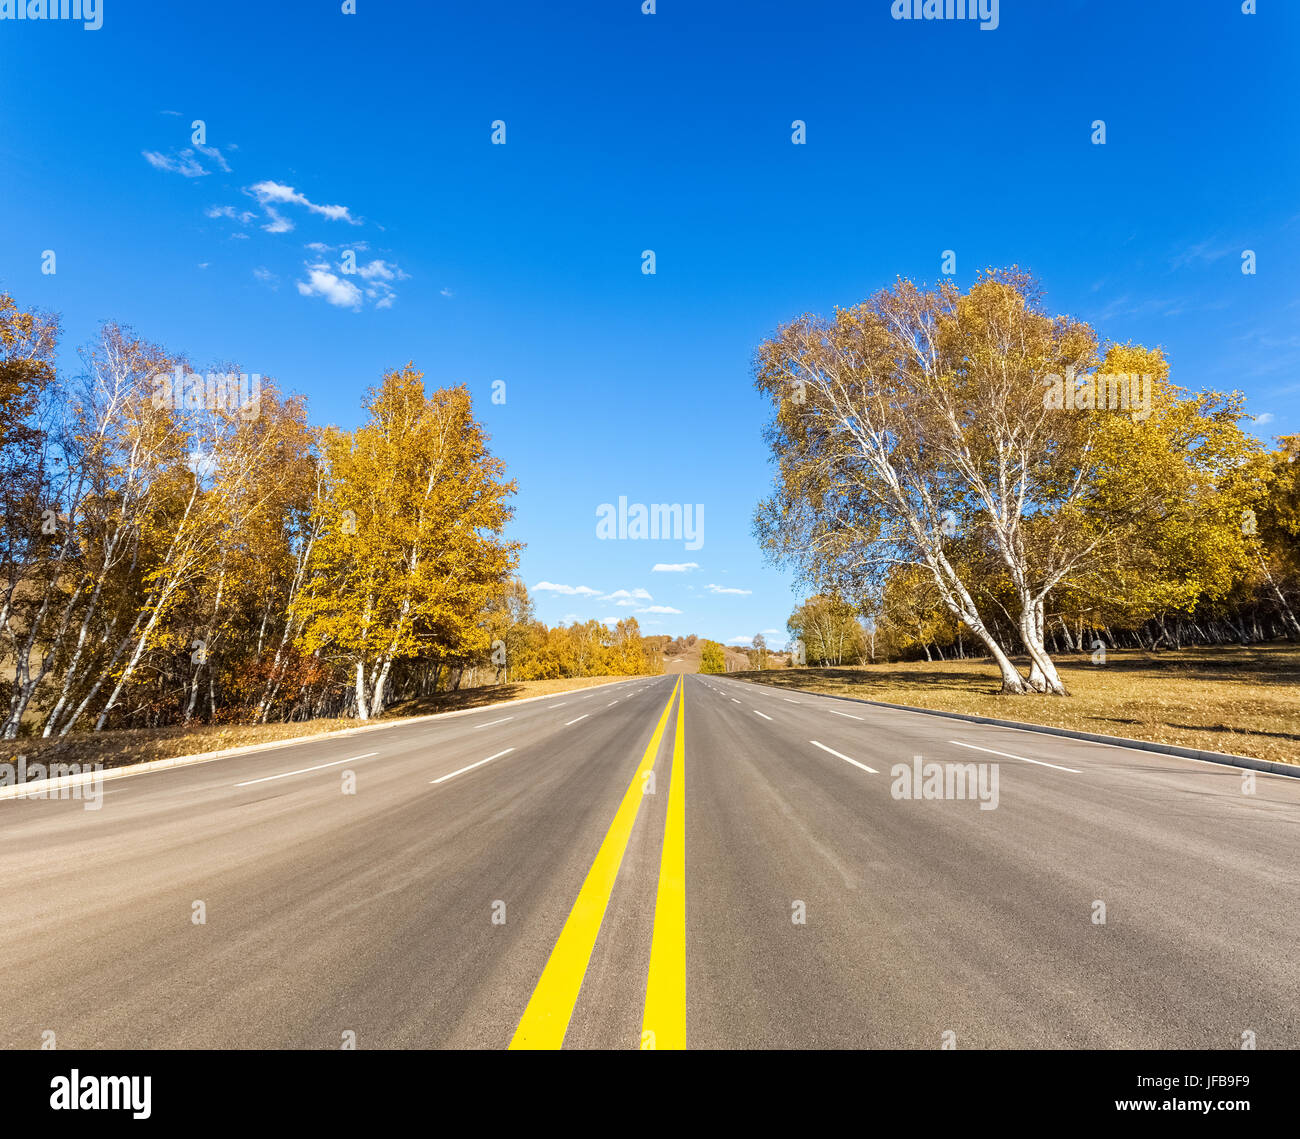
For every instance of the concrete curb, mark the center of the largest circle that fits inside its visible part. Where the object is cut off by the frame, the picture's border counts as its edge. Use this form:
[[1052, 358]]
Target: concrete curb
[[1290, 770], [40, 788]]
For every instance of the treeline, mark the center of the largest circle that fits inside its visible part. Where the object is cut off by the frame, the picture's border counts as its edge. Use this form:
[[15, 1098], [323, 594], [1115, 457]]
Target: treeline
[[716, 657], [179, 547], [523, 648], [966, 474]]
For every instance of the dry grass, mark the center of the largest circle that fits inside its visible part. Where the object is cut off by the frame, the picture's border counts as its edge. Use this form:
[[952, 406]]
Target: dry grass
[[137, 745], [1244, 701]]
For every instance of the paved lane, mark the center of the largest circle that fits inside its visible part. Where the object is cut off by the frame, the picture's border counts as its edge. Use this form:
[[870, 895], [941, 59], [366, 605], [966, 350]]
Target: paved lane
[[931, 916], [636, 901], [325, 912]]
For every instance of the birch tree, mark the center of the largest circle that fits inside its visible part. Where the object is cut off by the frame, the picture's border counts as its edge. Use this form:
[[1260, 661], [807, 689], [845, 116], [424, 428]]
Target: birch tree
[[916, 430], [410, 551]]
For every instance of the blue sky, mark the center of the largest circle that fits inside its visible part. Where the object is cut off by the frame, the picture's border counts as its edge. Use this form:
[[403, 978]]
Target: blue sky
[[627, 132]]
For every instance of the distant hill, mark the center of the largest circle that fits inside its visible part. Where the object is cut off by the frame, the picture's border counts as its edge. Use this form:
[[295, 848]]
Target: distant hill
[[682, 654]]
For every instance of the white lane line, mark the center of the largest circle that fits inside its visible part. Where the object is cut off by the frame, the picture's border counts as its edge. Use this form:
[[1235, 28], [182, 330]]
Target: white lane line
[[588, 697], [1142, 753], [844, 714], [561, 704], [846, 759], [304, 770], [611, 704], [1023, 759], [481, 762], [734, 700], [789, 701], [575, 721], [758, 713], [491, 722]]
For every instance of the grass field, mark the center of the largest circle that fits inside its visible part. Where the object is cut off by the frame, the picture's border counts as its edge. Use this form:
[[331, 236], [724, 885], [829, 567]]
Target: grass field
[[1244, 701], [136, 745]]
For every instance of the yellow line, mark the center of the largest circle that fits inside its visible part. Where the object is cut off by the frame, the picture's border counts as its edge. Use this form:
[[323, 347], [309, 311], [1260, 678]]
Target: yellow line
[[664, 1026], [546, 1019]]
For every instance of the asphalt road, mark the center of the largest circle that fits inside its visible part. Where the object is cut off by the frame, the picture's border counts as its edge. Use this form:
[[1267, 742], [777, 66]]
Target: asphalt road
[[768, 888]]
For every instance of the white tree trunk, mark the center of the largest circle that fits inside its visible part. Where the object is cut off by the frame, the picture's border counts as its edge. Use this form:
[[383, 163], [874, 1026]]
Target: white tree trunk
[[363, 709]]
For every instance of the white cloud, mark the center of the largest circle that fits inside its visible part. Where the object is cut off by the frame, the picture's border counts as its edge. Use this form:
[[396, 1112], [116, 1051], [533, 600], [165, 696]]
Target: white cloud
[[628, 595], [201, 463], [322, 283], [621, 598], [447, 293], [338, 288], [377, 274], [241, 216], [1264, 417], [266, 277], [739, 641], [271, 194], [215, 154], [773, 632], [276, 223], [184, 164], [674, 567], [379, 270], [566, 590], [726, 589]]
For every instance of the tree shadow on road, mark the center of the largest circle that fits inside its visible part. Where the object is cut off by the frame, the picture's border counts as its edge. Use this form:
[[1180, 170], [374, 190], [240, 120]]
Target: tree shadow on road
[[455, 701]]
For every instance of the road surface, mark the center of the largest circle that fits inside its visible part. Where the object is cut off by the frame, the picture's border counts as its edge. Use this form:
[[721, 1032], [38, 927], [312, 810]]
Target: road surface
[[515, 876]]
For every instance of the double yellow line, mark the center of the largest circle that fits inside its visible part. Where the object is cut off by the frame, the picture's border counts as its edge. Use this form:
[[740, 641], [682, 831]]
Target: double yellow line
[[546, 1019]]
